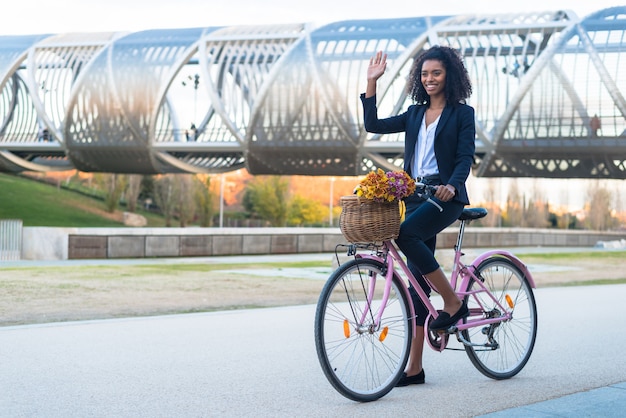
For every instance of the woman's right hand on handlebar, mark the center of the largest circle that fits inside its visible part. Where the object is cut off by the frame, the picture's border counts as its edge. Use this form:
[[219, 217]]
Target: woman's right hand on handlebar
[[445, 193]]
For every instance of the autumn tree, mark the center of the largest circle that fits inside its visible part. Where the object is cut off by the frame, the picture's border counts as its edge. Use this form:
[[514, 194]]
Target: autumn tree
[[305, 211]]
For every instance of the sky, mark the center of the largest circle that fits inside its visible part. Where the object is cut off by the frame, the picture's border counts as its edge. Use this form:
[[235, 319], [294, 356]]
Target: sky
[[28, 17]]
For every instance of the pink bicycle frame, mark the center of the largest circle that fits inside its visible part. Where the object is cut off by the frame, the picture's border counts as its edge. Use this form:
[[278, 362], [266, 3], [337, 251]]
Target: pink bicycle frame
[[466, 273]]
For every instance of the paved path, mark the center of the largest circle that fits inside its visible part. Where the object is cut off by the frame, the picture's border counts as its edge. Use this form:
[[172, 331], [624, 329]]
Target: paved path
[[262, 363]]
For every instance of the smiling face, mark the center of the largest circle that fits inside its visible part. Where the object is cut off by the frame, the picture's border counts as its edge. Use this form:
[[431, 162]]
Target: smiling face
[[433, 77]]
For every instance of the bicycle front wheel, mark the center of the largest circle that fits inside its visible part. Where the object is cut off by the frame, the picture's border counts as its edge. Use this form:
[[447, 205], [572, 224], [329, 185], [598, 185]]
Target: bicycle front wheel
[[501, 350], [362, 359]]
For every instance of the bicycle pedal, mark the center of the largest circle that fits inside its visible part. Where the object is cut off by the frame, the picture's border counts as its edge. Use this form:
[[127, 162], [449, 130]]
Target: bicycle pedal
[[452, 330]]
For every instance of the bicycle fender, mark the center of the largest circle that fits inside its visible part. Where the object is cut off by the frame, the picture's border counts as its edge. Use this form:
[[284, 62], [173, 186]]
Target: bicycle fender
[[501, 253], [369, 257]]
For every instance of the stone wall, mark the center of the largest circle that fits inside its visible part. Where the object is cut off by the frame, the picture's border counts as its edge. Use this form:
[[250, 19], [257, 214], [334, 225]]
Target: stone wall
[[46, 243]]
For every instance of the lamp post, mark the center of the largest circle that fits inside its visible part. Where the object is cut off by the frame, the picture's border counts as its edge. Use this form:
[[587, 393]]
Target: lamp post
[[222, 200], [332, 183]]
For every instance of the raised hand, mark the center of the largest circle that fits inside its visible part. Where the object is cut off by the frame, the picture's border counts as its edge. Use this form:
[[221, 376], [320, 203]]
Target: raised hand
[[378, 64]]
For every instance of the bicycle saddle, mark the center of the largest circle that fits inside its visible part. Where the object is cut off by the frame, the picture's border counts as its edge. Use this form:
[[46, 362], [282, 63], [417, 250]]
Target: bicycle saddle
[[470, 214]]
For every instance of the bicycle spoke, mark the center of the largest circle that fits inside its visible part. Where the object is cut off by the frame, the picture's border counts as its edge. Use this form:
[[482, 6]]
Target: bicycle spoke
[[360, 364], [507, 345]]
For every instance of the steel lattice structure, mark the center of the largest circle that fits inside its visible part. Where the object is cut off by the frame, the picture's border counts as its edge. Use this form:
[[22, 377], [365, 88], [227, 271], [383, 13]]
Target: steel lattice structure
[[283, 99]]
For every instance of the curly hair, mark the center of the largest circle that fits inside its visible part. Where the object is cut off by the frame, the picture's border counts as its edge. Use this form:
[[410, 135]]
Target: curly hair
[[458, 84]]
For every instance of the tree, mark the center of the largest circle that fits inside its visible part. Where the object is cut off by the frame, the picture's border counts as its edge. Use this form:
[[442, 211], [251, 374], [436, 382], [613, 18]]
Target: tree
[[304, 211], [491, 204], [165, 197], [598, 210], [514, 207], [537, 214], [537, 211], [204, 201], [132, 191], [113, 186], [146, 192], [186, 205], [267, 197]]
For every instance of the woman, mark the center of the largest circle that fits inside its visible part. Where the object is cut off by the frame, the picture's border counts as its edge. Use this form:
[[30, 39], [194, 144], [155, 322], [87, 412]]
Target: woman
[[438, 150]]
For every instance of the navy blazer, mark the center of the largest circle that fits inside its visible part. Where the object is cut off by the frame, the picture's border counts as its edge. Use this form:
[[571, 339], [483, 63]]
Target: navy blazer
[[454, 139]]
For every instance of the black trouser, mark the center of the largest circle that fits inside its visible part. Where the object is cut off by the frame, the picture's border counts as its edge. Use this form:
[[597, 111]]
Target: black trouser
[[418, 238]]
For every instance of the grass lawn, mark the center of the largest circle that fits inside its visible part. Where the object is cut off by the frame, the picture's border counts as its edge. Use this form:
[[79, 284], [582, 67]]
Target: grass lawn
[[39, 204]]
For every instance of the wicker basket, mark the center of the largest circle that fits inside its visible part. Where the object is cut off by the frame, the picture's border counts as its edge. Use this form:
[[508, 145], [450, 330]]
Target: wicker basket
[[364, 220]]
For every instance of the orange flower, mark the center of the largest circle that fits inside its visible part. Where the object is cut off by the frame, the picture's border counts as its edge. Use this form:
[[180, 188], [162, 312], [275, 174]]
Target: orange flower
[[387, 186]]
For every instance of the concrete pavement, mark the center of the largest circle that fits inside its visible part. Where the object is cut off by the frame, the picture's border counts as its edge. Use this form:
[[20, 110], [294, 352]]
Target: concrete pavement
[[262, 363]]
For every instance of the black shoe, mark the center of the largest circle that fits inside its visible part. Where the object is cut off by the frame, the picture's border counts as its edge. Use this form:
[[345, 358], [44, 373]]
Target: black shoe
[[445, 321], [405, 380]]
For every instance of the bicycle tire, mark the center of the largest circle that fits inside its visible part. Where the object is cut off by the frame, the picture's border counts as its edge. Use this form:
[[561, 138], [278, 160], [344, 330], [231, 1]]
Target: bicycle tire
[[362, 363], [511, 341]]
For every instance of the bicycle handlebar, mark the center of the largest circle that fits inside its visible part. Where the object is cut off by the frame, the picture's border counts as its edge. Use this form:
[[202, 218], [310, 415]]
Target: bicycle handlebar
[[426, 192]]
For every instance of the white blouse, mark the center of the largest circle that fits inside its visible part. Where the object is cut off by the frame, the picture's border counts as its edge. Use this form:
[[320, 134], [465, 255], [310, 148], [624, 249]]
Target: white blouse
[[424, 161]]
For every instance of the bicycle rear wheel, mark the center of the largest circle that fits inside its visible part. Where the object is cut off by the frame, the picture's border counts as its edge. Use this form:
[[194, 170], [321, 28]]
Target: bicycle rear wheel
[[363, 361], [503, 348]]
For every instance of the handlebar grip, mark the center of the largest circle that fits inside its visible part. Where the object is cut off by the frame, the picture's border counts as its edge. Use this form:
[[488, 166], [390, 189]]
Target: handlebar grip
[[429, 190], [428, 187]]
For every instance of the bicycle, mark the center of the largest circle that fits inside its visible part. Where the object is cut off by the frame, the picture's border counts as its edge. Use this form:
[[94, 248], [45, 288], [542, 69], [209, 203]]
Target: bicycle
[[365, 320]]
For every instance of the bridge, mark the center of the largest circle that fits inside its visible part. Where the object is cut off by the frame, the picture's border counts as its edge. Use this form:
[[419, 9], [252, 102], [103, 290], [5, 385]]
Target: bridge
[[283, 99]]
